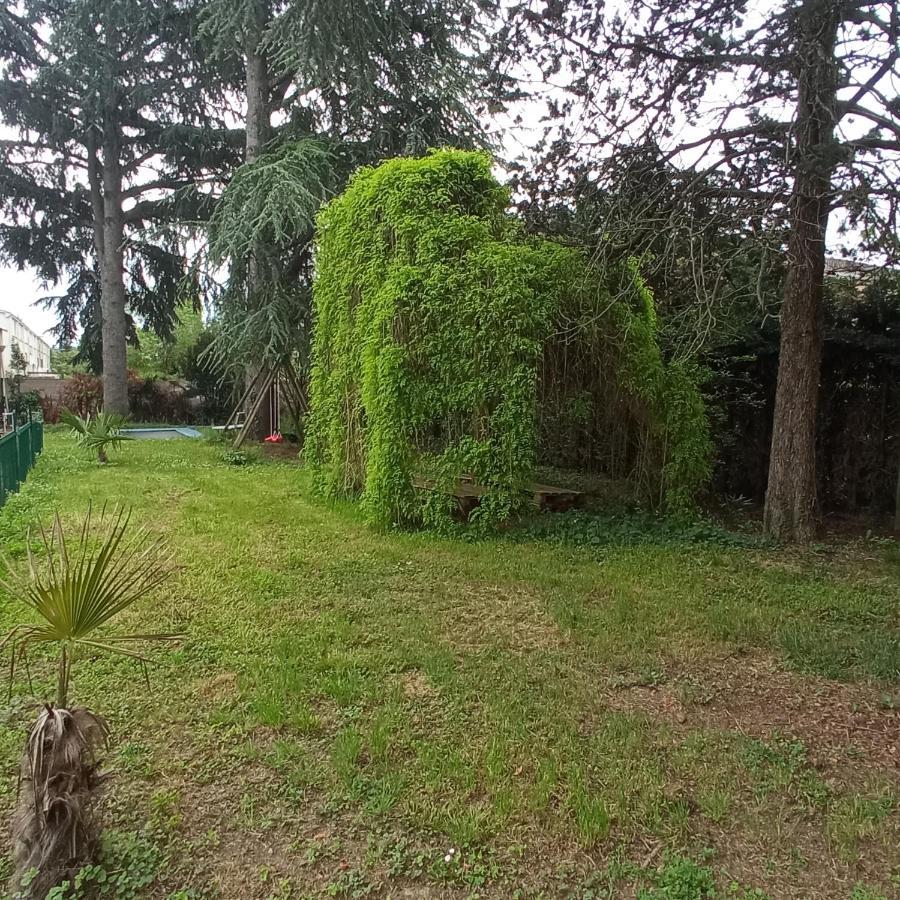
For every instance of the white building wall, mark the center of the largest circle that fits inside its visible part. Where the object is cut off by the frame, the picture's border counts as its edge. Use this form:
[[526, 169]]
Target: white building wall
[[35, 349]]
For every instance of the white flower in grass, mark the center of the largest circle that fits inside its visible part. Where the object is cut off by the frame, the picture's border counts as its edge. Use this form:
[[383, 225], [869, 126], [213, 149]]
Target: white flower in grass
[[450, 854]]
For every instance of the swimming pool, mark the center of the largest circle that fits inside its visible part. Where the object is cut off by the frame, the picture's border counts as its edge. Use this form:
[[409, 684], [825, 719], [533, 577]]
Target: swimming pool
[[162, 434]]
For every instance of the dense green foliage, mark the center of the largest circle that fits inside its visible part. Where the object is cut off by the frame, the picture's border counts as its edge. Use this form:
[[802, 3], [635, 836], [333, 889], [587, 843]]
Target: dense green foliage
[[168, 356], [176, 379], [327, 90], [433, 313]]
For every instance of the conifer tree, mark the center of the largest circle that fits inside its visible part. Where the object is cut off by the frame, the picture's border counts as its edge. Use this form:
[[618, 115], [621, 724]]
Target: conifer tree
[[328, 85], [115, 122]]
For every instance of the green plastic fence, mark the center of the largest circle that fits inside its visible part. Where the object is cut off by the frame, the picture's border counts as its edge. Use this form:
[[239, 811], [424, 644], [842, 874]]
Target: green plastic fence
[[18, 451]]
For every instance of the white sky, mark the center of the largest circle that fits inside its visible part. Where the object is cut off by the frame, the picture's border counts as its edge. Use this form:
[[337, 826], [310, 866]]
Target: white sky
[[18, 291]]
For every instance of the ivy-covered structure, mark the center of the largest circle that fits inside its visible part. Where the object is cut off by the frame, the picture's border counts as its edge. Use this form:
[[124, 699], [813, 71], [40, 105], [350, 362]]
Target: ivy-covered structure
[[447, 342]]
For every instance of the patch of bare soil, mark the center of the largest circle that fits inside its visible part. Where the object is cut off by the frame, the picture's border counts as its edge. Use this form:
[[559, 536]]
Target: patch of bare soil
[[839, 723], [217, 688], [245, 841], [416, 685], [284, 452]]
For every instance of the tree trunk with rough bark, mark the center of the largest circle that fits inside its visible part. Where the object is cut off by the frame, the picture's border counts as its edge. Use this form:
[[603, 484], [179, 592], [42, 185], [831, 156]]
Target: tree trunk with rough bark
[[897, 501], [791, 512], [257, 132], [112, 265]]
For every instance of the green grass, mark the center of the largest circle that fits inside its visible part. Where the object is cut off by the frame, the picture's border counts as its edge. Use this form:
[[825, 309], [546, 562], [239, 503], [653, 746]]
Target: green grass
[[348, 705]]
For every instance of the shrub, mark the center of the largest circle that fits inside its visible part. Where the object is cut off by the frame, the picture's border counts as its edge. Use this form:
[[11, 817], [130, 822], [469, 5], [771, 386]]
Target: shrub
[[217, 390], [26, 405], [50, 409], [160, 400], [82, 394]]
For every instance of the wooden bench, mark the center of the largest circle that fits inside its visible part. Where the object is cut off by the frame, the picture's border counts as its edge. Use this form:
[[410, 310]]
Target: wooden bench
[[468, 494]]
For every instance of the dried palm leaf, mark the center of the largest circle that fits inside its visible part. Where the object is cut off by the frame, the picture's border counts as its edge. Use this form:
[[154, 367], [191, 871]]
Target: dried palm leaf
[[54, 827]]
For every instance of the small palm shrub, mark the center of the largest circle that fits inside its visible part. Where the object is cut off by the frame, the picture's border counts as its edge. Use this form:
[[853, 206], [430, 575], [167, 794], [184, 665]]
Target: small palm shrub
[[76, 592], [100, 432]]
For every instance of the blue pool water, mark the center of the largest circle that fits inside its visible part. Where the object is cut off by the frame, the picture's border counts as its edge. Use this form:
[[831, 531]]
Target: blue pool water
[[162, 434]]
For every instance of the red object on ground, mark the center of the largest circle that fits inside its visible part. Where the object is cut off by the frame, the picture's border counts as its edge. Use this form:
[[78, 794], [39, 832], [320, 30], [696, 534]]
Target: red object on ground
[[275, 438]]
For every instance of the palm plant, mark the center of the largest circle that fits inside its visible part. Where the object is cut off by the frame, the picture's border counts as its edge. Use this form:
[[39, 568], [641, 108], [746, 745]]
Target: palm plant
[[100, 432], [76, 592]]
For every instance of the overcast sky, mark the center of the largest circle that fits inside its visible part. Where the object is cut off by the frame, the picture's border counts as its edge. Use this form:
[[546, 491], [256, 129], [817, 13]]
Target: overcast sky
[[18, 291]]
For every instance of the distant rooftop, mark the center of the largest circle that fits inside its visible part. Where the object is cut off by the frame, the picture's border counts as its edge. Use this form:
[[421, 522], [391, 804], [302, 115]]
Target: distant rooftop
[[6, 314], [836, 266]]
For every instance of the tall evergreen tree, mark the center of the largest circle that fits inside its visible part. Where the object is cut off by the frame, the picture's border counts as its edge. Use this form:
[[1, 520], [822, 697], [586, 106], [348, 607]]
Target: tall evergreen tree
[[329, 85], [111, 106]]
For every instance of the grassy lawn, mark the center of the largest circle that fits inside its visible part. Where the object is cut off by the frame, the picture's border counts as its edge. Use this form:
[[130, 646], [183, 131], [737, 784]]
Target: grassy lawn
[[357, 714]]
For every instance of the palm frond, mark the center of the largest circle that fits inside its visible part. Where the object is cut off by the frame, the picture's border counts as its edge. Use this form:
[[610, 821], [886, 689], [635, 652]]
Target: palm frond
[[101, 432], [78, 592]]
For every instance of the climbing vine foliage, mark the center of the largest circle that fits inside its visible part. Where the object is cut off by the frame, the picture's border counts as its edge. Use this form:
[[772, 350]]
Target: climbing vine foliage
[[438, 330]]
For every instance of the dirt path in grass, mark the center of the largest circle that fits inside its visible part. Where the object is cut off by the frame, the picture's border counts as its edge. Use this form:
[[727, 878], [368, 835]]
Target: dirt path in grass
[[856, 725]]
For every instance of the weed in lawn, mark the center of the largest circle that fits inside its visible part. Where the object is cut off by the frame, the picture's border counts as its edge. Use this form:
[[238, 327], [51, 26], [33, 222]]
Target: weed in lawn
[[135, 758], [861, 892], [681, 879], [714, 803], [854, 820], [283, 889], [345, 755], [589, 809], [782, 766], [164, 812], [239, 458], [599, 529], [352, 883], [738, 892], [811, 647], [294, 762], [128, 863]]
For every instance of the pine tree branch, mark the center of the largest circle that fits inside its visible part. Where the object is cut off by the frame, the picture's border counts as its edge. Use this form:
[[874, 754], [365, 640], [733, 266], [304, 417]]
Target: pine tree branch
[[882, 121]]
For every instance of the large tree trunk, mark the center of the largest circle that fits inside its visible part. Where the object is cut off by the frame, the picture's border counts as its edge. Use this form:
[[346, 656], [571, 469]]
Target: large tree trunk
[[257, 104], [791, 510], [897, 501], [257, 130], [112, 296]]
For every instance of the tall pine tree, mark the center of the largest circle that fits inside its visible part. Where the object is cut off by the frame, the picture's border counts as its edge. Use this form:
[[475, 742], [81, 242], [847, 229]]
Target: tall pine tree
[[328, 85], [115, 123]]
